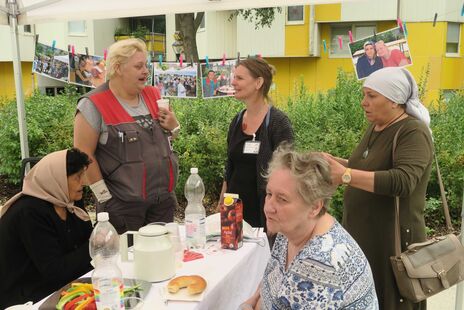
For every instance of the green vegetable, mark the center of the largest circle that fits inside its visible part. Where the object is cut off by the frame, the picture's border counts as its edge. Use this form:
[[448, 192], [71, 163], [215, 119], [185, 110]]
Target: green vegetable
[[67, 298]]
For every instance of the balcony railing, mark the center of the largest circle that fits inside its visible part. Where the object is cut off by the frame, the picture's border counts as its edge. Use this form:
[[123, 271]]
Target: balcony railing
[[156, 43]]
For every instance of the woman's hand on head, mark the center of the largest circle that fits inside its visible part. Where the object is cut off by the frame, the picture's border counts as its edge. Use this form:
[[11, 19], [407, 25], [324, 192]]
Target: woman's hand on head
[[167, 119], [336, 169]]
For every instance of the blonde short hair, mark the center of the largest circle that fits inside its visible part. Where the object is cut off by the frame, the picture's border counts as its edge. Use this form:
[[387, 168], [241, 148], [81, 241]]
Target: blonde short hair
[[311, 172], [120, 52]]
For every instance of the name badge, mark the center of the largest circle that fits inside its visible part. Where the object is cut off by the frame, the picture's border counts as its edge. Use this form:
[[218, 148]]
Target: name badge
[[251, 147]]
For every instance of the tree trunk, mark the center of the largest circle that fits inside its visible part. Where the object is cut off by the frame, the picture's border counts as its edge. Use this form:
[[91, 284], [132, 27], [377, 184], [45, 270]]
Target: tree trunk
[[188, 26]]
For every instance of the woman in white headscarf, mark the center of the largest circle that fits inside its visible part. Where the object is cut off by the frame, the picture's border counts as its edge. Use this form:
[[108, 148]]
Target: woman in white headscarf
[[373, 179], [44, 238]]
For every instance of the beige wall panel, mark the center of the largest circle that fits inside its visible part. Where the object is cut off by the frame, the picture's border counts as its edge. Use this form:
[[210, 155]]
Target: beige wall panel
[[26, 45], [219, 36], [270, 42], [104, 33], [369, 10], [424, 10]]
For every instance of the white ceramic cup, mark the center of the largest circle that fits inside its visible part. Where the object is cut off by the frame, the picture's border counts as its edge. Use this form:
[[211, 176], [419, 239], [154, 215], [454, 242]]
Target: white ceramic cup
[[163, 103], [26, 306]]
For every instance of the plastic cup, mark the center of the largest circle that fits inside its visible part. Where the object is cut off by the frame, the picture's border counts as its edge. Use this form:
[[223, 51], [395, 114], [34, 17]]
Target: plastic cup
[[133, 303], [163, 103]]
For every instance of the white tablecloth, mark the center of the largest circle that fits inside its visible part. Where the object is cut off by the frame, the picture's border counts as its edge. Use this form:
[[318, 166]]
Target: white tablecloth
[[232, 277]]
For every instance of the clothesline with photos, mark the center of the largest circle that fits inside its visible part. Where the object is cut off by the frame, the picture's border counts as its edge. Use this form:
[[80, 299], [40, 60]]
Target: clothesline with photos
[[173, 79]]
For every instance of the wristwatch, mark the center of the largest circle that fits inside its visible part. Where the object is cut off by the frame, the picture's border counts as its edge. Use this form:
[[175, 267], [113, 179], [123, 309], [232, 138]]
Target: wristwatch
[[175, 131], [346, 176]]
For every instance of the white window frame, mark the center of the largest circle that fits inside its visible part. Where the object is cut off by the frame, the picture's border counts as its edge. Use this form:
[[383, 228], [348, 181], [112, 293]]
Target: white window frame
[[77, 33], [346, 38], [451, 54], [200, 28], [294, 22]]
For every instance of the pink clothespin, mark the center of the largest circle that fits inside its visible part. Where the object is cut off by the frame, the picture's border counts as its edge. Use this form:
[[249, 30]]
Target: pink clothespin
[[340, 42], [73, 52], [259, 56], [400, 24], [105, 53], [181, 61], [224, 59], [350, 34]]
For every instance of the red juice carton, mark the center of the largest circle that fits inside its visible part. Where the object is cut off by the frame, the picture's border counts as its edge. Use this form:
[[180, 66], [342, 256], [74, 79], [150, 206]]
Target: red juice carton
[[231, 222]]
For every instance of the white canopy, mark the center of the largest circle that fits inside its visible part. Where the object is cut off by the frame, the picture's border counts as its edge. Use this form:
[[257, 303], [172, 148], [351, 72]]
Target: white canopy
[[52, 10]]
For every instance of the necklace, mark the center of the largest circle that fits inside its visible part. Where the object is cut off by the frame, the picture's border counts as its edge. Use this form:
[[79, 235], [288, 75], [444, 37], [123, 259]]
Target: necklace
[[366, 152]]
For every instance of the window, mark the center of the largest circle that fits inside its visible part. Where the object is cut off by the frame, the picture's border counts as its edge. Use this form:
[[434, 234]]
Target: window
[[53, 91], [452, 38], [27, 29], [77, 27], [203, 23], [295, 15], [363, 31], [339, 31]]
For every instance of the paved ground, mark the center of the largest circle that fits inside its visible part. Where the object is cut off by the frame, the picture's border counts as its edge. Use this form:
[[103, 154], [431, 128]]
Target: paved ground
[[443, 301]]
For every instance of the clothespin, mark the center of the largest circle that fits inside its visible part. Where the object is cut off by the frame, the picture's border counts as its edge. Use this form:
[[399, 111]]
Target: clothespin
[[53, 44], [69, 48], [224, 59], [400, 24], [350, 34], [238, 58], [149, 59], [405, 29], [181, 61], [259, 56], [87, 51], [340, 42], [375, 37], [324, 44], [72, 50], [462, 10], [105, 53], [207, 61], [160, 59], [435, 19], [191, 62], [36, 39]]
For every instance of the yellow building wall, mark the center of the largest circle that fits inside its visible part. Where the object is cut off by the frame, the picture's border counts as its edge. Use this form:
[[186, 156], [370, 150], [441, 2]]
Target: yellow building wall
[[297, 37], [328, 12], [7, 84], [427, 45]]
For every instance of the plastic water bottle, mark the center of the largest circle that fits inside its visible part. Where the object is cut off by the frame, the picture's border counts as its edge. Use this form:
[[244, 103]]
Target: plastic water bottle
[[107, 279], [195, 211]]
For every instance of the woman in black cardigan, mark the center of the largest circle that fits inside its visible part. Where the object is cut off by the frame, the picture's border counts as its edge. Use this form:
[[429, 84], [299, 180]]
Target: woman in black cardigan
[[253, 135], [44, 238]]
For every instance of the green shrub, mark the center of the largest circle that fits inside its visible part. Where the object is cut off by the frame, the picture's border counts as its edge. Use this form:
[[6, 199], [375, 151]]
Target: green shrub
[[448, 132], [49, 126], [202, 142]]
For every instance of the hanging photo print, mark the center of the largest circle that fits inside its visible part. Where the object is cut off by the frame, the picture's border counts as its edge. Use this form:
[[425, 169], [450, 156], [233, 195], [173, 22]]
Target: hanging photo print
[[216, 78], [86, 70], [385, 49], [51, 62], [174, 80]]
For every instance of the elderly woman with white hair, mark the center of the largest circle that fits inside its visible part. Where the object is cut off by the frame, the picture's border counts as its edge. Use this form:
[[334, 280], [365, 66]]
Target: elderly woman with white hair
[[120, 126], [315, 263], [374, 179]]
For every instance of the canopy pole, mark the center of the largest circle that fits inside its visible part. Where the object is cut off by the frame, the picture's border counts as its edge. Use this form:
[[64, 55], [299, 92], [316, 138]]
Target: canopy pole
[[459, 304], [18, 76]]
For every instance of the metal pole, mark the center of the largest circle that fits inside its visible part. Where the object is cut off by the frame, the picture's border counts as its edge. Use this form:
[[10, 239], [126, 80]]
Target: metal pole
[[460, 287], [14, 12]]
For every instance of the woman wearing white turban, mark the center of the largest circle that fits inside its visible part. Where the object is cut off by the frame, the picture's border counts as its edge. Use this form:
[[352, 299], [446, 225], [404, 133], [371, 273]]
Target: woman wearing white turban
[[373, 178]]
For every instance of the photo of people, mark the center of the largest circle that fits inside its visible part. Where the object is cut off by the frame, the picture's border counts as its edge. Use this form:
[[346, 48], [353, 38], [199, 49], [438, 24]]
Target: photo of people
[[216, 79], [173, 80], [386, 49], [51, 62], [87, 70]]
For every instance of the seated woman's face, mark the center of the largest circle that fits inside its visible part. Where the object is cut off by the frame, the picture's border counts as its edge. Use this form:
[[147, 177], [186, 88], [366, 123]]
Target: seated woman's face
[[76, 184], [284, 207]]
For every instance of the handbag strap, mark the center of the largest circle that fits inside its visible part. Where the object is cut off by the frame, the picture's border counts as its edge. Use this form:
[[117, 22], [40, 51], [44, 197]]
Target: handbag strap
[[397, 203], [449, 227]]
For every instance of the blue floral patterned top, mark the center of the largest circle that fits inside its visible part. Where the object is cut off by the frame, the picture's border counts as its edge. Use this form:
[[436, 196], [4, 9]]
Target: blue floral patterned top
[[330, 272]]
